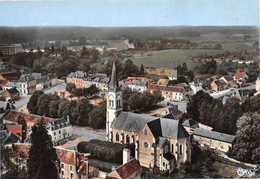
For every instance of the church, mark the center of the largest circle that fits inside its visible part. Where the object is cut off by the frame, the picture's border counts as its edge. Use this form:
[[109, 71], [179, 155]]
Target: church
[[159, 142]]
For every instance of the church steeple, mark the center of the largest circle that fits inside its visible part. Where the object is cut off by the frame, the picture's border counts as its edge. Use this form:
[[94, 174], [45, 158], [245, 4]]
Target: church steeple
[[113, 82], [114, 103]]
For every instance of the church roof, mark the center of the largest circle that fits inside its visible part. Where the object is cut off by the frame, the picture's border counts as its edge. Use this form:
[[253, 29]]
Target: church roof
[[113, 82], [131, 121], [160, 127]]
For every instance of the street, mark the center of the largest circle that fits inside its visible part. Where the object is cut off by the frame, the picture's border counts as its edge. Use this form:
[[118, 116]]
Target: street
[[25, 99], [88, 135]]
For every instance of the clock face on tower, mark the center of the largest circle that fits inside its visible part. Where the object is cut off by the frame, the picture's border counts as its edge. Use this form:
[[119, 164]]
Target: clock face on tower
[[146, 144]]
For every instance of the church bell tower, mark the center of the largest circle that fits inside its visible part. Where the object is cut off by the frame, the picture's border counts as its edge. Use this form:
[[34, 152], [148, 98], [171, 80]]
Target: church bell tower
[[114, 102]]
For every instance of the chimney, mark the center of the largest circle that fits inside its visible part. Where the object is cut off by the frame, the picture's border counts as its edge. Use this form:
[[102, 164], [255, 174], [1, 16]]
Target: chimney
[[68, 118], [87, 166], [126, 155]]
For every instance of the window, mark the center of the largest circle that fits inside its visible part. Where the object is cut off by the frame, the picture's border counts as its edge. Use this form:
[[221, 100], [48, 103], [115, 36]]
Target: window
[[180, 149], [146, 145], [163, 164], [127, 139], [59, 132], [71, 175], [54, 133], [172, 148], [62, 165], [122, 138], [62, 173], [117, 137], [112, 103], [71, 167], [145, 131], [133, 139]]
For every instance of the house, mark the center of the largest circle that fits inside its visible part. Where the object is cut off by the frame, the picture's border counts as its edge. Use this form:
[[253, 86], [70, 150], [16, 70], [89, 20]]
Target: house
[[10, 85], [173, 75], [11, 75], [58, 129], [129, 170], [228, 80], [172, 113], [240, 77], [195, 87], [212, 139], [12, 93], [218, 85], [53, 79], [26, 84], [159, 142], [163, 82], [77, 78], [257, 85], [190, 125], [73, 165], [8, 139], [174, 93]]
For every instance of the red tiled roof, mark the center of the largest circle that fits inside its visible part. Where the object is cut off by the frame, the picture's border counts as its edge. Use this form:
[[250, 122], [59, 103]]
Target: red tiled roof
[[66, 156], [129, 169], [15, 129], [29, 118], [163, 88], [95, 76], [21, 150], [52, 77], [228, 78], [137, 78], [82, 168], [4, 82], [239, 74]]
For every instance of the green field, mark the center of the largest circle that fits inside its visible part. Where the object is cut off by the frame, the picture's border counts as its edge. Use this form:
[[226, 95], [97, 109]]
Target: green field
[[172, 58]]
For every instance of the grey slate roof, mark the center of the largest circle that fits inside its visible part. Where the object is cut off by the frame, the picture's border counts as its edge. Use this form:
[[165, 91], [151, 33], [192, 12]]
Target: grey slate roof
[[161, 141], [155, 127], [162, 127], [173, 129], [8, 138], [26, 78], [113, 82], [190, 123], [131, 121], [214, 135], [174, 74]]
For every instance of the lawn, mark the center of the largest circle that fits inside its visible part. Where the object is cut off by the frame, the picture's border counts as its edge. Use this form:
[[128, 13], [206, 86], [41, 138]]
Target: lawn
[[172, 58]]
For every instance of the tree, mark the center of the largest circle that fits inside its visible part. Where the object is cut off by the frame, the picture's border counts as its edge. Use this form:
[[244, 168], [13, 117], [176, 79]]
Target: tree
[[246, 147], [142, 69], [97, 117], [43, 161], [32, 104]]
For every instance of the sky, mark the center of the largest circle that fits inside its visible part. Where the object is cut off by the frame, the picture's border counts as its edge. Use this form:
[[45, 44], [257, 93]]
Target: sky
[[128, 13]]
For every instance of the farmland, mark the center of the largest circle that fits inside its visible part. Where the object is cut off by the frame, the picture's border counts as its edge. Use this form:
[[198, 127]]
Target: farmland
[[172, 58]]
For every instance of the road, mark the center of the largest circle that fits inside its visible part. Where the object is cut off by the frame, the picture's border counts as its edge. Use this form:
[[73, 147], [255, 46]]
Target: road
[[86, 135], [25, 99]]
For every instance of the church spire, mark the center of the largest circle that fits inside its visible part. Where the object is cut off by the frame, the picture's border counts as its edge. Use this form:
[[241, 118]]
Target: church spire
[[113, 82]]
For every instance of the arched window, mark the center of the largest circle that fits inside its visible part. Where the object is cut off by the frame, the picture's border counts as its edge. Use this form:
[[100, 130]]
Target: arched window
[[117, 137], [127, 139], [112, 103], [145, 131], [122, 138], [172, 148], [133, 139], [180, 149]]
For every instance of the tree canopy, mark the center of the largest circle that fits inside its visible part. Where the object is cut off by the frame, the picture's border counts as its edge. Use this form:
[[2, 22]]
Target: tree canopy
[[43, 161]]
